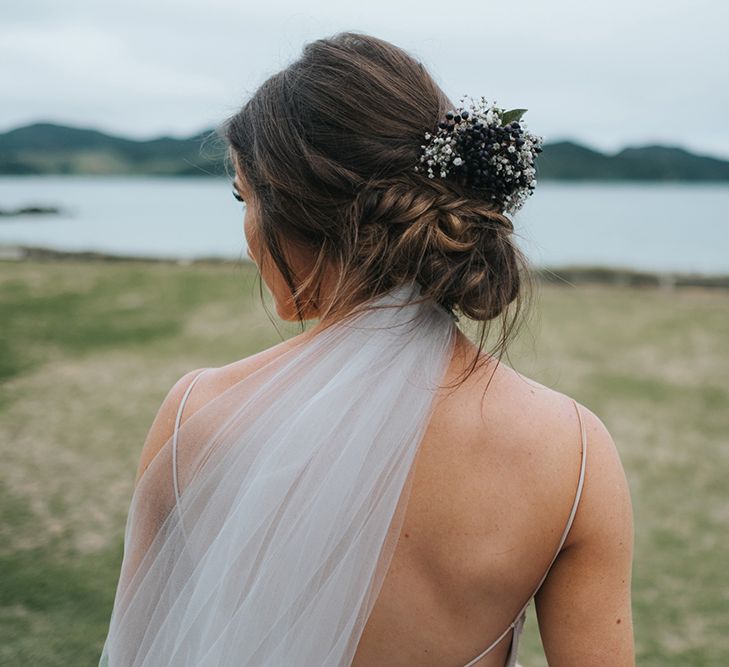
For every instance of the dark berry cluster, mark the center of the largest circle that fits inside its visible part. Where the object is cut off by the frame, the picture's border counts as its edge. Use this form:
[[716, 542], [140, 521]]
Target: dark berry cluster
[[487, 148]]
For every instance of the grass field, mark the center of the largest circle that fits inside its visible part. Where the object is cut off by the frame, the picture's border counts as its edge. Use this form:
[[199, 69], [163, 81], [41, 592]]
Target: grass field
[[89, 349]]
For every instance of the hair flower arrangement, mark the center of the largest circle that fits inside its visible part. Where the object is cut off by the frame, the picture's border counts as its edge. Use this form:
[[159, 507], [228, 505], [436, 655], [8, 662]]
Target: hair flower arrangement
[[487, 146]]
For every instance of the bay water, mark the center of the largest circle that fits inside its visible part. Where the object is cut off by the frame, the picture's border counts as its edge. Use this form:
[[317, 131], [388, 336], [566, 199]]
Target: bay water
[[664, 227]]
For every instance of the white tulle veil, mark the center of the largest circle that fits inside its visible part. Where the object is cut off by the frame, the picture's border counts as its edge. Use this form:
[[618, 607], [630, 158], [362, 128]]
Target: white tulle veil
[[268, 541]]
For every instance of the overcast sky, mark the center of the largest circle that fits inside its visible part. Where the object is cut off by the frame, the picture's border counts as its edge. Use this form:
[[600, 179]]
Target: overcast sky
[[608, 74]]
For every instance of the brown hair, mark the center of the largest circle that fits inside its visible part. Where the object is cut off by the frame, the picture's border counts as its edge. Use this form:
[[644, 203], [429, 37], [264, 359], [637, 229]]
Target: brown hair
[[328, 146]]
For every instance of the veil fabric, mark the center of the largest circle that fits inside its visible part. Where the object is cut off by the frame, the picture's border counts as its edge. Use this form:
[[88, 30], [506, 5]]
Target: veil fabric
[[268, 540]]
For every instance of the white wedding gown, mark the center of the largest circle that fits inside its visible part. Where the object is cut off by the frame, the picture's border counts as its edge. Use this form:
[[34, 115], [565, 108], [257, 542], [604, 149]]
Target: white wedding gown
[[262, 531]]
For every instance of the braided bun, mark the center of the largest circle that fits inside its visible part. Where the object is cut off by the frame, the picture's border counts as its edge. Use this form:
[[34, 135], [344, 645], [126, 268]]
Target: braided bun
[[460, 250], [327, 147]]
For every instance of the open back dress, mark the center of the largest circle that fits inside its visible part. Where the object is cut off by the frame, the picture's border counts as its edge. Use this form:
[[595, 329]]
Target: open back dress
[[262, 531]]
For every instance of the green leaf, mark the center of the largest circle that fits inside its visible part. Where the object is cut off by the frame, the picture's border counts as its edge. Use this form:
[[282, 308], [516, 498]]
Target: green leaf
[[514, 114]]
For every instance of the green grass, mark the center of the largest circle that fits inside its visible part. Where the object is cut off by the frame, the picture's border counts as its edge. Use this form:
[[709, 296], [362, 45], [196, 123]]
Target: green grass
[[88, 350]]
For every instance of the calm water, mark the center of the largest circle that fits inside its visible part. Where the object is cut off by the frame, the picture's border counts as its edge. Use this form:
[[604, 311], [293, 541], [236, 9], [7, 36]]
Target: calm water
[[665, 227]]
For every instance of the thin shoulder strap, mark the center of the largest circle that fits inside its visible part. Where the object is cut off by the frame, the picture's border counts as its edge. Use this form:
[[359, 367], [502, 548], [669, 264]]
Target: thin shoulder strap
[[566, 530], [518, 623], [174, 439]]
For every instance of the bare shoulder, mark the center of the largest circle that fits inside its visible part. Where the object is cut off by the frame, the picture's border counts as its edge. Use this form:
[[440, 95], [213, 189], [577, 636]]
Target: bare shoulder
[[211, 384], [553, 421], [535, 431], [584, 605], [606, 507], [163, 424], [535, 425]]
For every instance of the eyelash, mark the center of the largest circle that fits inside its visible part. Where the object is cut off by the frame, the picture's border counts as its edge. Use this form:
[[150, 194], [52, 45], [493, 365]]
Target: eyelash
[[237, 196]]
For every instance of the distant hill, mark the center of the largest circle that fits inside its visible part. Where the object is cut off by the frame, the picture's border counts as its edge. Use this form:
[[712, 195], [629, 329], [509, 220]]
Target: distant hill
[[566, 160], [48, 148]]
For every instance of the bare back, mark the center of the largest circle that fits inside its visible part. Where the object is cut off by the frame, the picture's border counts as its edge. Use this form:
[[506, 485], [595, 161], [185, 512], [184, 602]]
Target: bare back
[[493, 488], [494, 485]]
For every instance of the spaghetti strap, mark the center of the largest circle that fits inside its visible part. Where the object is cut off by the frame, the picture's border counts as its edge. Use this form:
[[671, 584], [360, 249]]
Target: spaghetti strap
[[583, 435], [518, 623], [175, 482]]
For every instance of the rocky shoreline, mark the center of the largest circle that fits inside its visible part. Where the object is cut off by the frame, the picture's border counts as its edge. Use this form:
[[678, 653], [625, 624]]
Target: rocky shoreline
[[559, 275], [29, 210]]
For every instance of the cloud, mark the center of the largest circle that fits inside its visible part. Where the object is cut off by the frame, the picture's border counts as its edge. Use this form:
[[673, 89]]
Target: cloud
[[608, 74]]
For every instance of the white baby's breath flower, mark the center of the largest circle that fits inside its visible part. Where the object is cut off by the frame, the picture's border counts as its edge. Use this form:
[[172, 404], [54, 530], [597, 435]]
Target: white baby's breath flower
[[494, 152]]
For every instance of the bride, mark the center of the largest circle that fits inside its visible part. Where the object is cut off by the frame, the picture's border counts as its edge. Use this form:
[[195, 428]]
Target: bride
[[377, 491]]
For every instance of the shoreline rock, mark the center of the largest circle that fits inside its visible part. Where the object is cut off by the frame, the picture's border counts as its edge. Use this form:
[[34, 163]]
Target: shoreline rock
[[29, 210], [557, 275]]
